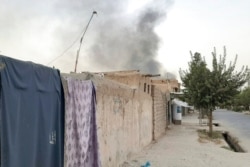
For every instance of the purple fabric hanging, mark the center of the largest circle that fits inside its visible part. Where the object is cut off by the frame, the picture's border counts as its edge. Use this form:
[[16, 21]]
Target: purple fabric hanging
[[81, 144]]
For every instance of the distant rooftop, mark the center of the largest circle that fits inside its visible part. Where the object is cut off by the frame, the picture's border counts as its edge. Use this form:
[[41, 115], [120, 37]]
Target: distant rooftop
[[128, 72]]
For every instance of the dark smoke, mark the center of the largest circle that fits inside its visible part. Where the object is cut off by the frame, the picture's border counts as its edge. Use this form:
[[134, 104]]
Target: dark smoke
[[130, 43], [116, 39]]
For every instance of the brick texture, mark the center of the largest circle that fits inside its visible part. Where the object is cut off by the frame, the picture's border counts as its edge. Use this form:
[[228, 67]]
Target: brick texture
[[159, 113]]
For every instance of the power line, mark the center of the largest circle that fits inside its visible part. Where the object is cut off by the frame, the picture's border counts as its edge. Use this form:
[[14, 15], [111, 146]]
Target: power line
[[78, 52], [70, 46]]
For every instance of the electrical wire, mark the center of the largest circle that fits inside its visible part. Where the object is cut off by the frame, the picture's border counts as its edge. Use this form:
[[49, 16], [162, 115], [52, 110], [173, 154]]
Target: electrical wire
[[78, 52], [73, 43]]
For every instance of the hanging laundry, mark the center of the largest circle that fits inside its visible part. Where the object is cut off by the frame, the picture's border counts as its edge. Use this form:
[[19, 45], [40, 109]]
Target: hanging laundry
[[81, 143], [31, 114]]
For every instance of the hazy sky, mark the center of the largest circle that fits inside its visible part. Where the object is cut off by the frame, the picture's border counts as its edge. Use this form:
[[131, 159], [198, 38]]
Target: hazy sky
[[201, 25], [126, 34]]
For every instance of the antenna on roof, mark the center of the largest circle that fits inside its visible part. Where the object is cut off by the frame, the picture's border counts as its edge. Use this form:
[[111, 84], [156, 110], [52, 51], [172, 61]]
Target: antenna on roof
[[78, 51]]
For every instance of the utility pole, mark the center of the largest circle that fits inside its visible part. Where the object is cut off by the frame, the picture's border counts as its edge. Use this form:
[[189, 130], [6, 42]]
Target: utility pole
[[78, 51]]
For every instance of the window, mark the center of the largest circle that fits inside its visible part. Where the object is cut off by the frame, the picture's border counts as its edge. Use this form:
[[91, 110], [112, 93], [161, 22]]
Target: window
[[145, 87]]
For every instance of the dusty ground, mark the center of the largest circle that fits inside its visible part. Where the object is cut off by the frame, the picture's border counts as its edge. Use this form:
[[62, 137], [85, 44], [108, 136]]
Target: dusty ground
[[181, 147]]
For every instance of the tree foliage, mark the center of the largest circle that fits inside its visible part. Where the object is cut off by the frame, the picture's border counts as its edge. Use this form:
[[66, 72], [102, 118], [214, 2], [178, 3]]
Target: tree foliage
[[225, 81], [242, 100], [207, 88], [194, 81]]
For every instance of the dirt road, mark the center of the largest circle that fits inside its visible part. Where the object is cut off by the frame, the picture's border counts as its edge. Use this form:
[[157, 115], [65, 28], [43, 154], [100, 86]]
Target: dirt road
[[181, 147]]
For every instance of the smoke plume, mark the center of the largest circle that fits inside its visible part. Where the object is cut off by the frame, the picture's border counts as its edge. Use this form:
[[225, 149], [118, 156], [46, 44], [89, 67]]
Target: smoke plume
[[118, 38], [130, 42]]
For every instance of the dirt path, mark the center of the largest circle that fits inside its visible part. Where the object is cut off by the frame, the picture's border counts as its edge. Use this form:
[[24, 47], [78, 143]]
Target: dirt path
[[180, 148]]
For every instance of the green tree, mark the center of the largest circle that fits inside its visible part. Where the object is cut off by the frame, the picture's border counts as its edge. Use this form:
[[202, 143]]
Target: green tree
[[194, 81], [205, 88], [243, 99]]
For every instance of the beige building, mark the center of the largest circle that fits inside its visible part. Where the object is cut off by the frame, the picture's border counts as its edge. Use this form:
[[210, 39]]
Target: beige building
[[166, 85], [158, 88], [132, 111], [132, 78], [143, 82]]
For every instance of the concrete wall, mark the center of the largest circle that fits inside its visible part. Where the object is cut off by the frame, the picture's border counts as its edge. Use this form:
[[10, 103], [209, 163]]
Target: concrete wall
[[129, 116], [131, 80], [160, 112], [134, 80], [175, 85], [124, 118], [166, 85]]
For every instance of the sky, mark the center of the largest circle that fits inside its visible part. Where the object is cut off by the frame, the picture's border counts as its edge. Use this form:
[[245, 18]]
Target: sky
[[152, 36]]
